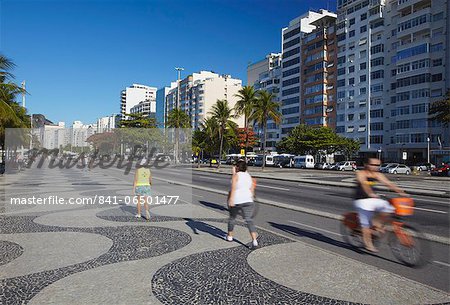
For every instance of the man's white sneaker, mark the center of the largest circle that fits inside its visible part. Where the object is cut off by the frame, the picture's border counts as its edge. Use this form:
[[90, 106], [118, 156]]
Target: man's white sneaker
[[137, 216], [229, 238], [255, 243], [147, 215]]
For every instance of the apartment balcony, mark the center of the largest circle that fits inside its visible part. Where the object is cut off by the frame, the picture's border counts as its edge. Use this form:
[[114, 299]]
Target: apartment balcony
[[415, 14]]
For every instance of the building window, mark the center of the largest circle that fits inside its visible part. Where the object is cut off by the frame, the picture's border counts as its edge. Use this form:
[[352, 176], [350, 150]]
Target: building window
[[351, 81], [351, 105], [437, 62], [436, 77], [362, 116], [351, 33], [362, 66], [377, 74], [364, 16], [352, 21], [378, 113], [362, 90], [363, 29], [351, 69]]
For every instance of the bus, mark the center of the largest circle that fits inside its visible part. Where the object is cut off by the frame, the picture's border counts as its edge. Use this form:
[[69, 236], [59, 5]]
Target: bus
[[284, 160], [304, 161]]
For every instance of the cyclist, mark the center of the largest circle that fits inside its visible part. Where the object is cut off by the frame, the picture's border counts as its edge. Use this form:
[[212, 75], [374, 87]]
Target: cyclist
[[368, 202]]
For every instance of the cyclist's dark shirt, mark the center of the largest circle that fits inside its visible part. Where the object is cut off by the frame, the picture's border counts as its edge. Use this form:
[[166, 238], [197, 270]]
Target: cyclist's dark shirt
[[360, 193]]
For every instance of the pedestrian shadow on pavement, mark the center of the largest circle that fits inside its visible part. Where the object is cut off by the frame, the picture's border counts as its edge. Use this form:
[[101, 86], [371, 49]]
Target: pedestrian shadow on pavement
[[322, 238], [213, 205], [313, 235], [197, 226]]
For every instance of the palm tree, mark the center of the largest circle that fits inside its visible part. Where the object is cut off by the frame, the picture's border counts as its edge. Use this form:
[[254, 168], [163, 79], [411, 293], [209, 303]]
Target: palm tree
[[177, 119], [11, 114], [222, 113], [245, 106], [440, 110], [211, 129], [265, 108]]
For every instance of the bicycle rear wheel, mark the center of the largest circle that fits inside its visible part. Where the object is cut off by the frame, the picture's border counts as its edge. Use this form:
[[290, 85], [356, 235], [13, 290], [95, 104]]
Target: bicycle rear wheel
[[408, 246]]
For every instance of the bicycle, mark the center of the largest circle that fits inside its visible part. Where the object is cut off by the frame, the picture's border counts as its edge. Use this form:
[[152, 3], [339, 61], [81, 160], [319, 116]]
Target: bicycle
[[404, 240]]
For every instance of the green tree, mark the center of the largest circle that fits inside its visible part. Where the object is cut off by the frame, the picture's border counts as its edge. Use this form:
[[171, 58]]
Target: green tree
[[245, 105], [178, 119], [222, 113], [212, 137], [440, 110], [348, 147], [12, 115], [305, 139], [265, 108], [138, 120]]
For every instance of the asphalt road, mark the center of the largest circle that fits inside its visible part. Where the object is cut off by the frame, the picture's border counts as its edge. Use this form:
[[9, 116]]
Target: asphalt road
[[320, 231]]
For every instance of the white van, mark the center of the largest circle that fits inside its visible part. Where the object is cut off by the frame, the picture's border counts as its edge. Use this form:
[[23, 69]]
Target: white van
[[269, 160], [304, 161]]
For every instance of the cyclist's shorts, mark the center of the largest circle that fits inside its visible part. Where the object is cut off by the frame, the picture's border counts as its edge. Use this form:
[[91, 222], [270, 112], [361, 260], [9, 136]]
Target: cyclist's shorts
[[368, 206]]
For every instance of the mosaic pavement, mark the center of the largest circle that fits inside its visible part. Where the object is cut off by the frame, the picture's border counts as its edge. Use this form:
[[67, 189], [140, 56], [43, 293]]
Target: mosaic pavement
[[104, 255]]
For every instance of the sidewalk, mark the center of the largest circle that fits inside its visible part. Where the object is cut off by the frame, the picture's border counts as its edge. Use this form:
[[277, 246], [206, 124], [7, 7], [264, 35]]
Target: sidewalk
[[104, 255], [424, 187]]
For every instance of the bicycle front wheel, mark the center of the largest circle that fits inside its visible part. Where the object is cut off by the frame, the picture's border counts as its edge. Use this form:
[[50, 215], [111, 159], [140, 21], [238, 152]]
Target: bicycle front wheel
[[408, 246]]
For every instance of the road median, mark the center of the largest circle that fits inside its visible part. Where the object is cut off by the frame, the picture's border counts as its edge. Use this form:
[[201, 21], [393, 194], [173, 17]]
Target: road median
[[412, 191]]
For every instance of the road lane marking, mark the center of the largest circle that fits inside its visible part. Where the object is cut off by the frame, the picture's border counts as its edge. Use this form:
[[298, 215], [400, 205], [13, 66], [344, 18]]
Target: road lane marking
[[435, 201], [273, 187], [441, 263], [429, 210], [314, 187], [210, 178], [197, 195], [315, 228]]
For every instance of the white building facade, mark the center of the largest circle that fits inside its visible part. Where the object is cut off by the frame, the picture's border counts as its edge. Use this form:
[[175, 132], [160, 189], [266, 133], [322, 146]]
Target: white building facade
[[136, 94], [266, 75], [200, 91]]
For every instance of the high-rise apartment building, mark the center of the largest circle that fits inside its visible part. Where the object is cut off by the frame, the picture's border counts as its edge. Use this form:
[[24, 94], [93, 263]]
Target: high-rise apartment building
[[136, 94], [108, 123], [161, 95], [417, 64], [292, 68], [265, 74], [391, 65], [361, 88], [318, 77], [200, 91]]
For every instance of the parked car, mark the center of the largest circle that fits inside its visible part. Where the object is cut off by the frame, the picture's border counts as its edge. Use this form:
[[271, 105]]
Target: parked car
[[443, 170], [384, 166], [424, 167], [345, 166], [322, 165], [398, 169]]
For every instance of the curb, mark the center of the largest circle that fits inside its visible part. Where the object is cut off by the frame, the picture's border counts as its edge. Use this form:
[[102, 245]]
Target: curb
[[430, 237], [332, 183]]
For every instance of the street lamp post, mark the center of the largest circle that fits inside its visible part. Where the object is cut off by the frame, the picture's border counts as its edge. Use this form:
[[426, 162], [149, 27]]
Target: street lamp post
[[379, 153], [178, 85], [428, 149]]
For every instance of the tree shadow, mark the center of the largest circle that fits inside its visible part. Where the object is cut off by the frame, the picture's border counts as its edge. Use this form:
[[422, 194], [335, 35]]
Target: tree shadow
[[197, 226]]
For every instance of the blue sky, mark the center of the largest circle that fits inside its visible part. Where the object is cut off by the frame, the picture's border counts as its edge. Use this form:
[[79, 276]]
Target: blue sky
[[76, 56]]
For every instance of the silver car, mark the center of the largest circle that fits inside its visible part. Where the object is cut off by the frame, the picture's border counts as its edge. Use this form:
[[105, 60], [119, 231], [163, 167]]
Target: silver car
[[398, 169], [384, 167]]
